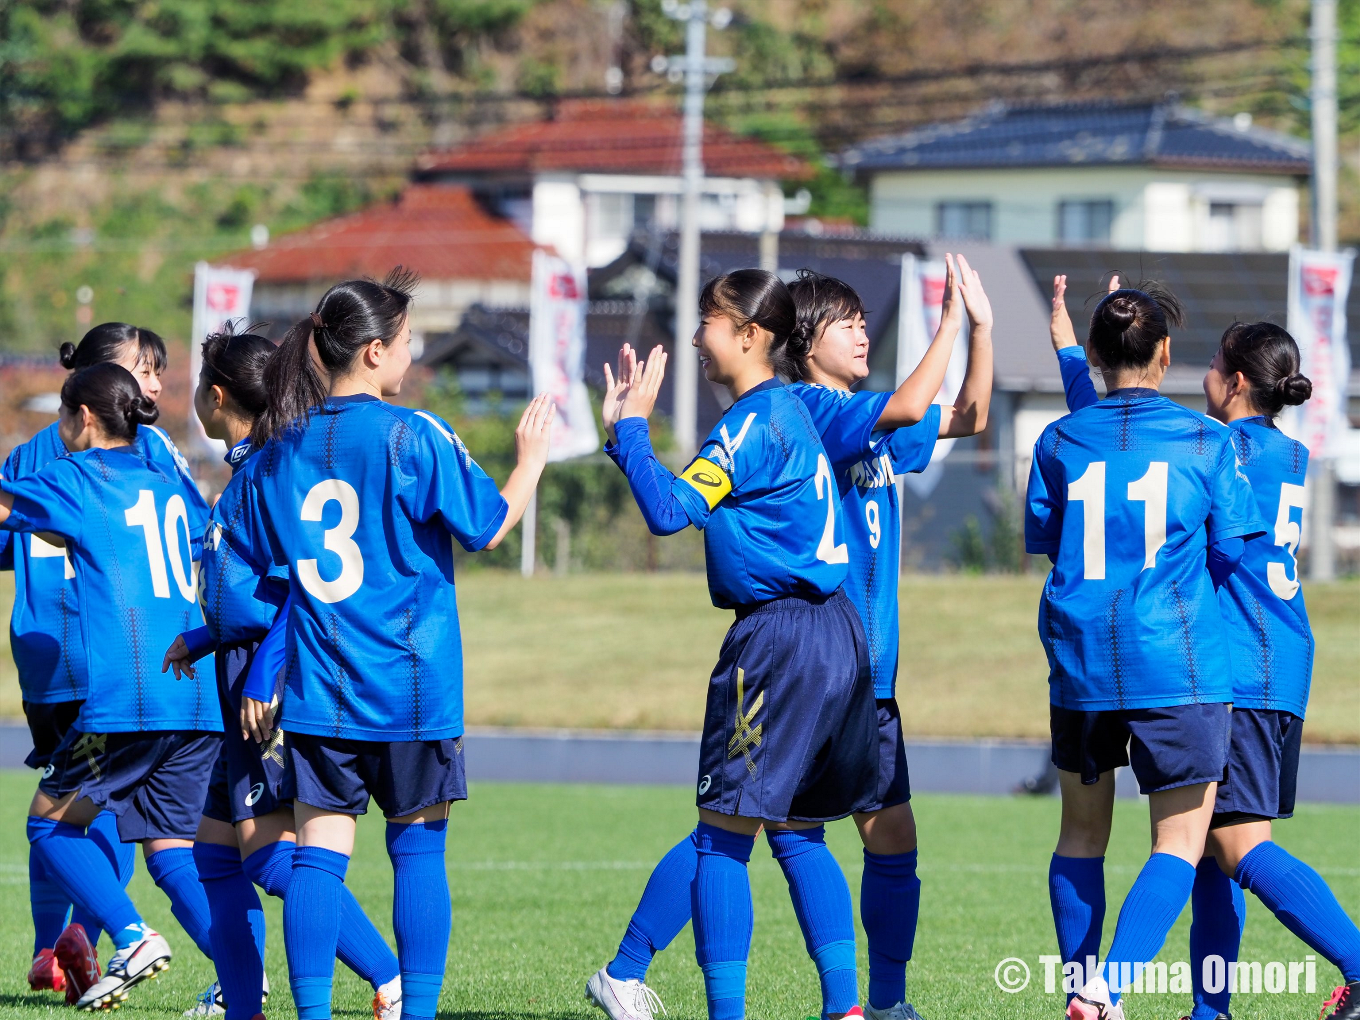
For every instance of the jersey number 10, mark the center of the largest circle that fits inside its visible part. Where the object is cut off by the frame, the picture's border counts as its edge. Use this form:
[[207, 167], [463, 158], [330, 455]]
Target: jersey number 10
[[142, 514], [1089, 491]]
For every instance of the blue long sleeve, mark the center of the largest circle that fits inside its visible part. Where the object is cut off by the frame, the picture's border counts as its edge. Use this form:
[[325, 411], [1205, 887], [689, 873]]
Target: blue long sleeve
[[651, 481], [1224, 557], [200, 642], [269, 659], [1076, 377]]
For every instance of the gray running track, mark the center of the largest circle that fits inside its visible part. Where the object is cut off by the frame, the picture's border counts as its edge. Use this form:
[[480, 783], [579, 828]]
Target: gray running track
[[1327, 775]]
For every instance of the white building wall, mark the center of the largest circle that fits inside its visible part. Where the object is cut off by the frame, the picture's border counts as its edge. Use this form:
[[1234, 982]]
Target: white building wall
[[560, 216], [1153, 209]]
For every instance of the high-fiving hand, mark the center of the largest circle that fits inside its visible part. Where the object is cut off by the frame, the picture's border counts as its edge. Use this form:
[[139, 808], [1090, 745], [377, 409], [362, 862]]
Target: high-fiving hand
[[633, 392]]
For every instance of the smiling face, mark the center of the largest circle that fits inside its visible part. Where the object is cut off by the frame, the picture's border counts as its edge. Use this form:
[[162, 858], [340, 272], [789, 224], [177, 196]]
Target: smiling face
[[721, 348], [840, 356], [142, 367]]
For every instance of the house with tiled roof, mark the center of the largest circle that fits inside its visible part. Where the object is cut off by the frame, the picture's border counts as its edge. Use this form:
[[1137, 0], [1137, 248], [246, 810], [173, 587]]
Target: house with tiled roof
[[586, 179], [464, 255], [1149, 176]]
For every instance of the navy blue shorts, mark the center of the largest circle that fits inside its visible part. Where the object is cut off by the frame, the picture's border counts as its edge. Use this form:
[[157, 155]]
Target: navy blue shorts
[[1263, 767], [47, 724], [404, 776], [1176, 745], [153, 782], [791, 728], [248, 780], [894, 785]]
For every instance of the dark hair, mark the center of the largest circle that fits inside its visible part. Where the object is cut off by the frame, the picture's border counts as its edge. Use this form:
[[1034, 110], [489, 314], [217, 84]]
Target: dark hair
[[349, 315], [749, 296], [113, 396], [105, 343], [236, 362], [820, 301], [1128, 324], [1269, 359]]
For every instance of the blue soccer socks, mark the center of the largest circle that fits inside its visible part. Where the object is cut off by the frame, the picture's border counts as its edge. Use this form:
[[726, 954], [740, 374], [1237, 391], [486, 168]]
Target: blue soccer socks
[[174, 873], [237, 932], [1157, 898], [1219, 914], [661, 913], [1076, 892], [359, 947], [1297, 895], [86, 876], [48, 904], [421, 914], [723, 919], [103, 832], [821, 901], [311, 927], [889, 905]]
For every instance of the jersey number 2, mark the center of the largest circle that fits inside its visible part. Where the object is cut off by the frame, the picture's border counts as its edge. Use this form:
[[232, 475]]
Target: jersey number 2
[[142, 514], [1089, 491], [339, 540], [827, 549]]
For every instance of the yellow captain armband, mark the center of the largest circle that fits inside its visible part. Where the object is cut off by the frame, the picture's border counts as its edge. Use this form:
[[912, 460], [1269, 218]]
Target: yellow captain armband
[[708, 479]]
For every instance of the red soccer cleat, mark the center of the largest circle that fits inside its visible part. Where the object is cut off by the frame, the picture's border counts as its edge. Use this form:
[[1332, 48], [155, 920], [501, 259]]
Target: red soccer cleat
[[46, 972], [75, 953]]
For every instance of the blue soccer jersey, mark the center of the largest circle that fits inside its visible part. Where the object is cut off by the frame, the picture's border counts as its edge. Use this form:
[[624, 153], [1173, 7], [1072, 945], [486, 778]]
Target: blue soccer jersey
[[1128, 616], [866, 464], [1270, 641], [763, 492], [133, 531], [45, 633], [359, 506]]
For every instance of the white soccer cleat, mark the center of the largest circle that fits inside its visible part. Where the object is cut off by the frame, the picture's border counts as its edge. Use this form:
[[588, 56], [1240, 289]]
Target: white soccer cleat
[[623, 1000], [1093, 1003], [211, 1003], [902, 1011], [387, 1000], [145, 958]]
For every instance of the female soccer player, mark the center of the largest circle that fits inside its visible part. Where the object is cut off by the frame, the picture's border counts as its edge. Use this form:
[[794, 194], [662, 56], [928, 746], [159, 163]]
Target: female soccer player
[[1131, 627], [140, 746], [247, 831], [357, 499], [1252, 377], [789, 733], [51, 661], [864, 459]]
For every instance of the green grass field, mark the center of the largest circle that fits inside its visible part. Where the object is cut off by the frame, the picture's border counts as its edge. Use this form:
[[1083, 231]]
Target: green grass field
[[544, 878], [635, 650]]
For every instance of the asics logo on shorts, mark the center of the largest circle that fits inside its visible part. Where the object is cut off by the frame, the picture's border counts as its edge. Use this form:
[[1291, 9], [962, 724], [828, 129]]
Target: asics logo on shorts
[[744, 735], [704, 784], [256, 792], [47, 772]]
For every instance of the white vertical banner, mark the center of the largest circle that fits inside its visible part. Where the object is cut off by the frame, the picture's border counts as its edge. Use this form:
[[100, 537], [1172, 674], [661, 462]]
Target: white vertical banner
[[1319, 284], [557, 352], [220, 294], [919, 310]]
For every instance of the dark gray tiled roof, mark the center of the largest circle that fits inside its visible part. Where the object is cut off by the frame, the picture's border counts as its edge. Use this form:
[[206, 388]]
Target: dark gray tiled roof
[[1093, 134]]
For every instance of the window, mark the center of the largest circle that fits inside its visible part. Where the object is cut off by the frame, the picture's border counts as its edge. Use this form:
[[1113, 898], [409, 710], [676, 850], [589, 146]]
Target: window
[[1233, 226], [611, 214], [1085, 223], [964, 220]]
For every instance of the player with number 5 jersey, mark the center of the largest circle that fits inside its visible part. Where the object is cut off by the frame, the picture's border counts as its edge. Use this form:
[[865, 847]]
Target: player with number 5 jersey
[[361, 501]]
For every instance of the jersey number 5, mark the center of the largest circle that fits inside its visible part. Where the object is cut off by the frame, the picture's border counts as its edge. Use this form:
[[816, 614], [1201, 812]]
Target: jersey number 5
[[1287, 534], [142, 514], [827, 549], [339, 540], [1089, 491]]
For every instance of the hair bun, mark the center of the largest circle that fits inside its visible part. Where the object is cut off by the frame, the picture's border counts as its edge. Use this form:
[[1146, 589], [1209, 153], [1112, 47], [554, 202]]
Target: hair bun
[[1118, 312], [141, 410], [1294, 388], [68, 355]]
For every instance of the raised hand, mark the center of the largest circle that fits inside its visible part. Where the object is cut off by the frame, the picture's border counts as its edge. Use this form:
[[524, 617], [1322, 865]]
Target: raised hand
[[1060, 329], [951, 309], [534, 431], [616, 388], [974, 297], [640, 399]]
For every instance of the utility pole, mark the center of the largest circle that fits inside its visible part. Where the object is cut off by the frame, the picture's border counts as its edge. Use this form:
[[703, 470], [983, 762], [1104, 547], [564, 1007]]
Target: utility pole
[[695, 68], [1322, 555]]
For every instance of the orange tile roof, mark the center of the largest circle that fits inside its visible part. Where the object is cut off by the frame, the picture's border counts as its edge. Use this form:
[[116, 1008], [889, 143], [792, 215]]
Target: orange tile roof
[[612, 136], [439, 231]]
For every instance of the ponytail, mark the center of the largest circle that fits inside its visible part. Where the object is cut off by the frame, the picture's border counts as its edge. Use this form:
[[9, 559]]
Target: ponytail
[[236, 362], [1268, 359], [349, 316], [1129, 323], [113, 397]]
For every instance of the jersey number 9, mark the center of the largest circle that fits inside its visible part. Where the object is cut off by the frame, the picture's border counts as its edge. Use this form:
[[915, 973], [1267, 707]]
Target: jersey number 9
[[338, 540], [142, 514]]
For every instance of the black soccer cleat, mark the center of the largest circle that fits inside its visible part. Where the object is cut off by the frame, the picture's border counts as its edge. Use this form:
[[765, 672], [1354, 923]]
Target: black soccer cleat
[[1346, 999]]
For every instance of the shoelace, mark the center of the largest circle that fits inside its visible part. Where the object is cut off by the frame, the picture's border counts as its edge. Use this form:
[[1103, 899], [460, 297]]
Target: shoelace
[[1338, 999], [647, 1002], [206, 1000]]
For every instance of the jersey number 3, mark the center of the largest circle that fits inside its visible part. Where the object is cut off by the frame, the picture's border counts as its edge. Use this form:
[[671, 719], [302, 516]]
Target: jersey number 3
[[1089, 491], [338, 540]]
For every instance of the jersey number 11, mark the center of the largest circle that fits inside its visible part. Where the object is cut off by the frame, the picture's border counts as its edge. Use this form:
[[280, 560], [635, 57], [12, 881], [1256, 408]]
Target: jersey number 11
[[1089, 491]]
